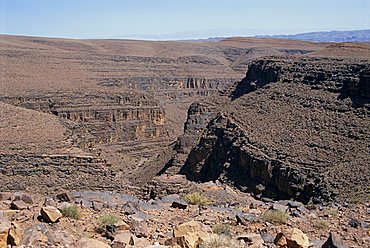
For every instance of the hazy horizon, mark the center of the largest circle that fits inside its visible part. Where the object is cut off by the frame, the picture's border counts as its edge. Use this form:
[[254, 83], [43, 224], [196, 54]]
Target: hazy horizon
[[170, 20]]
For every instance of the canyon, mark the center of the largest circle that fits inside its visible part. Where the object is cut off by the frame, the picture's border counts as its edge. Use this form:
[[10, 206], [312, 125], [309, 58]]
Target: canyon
[[264, 120]]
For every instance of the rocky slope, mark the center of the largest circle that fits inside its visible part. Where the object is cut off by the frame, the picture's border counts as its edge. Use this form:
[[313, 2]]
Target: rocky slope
[[122, 101], [296, 128]]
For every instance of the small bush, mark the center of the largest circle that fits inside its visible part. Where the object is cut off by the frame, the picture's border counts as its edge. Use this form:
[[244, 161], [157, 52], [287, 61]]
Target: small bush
[[321, 224], [222, 229], [72, 212], [275, 216], [197, 199], [331, 212], [106, 220], [220, 241]]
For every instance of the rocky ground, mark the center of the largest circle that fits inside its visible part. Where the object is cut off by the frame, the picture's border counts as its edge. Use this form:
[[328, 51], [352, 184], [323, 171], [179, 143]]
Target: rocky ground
[[220, 217], [94, 153]]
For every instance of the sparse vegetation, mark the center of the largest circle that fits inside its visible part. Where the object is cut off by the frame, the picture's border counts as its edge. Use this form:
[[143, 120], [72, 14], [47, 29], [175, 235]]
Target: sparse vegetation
[[105, 220], [197, 199], [220, 241], [72, 212], [332, 212], [222, 229], [275, 216], [321, 224]]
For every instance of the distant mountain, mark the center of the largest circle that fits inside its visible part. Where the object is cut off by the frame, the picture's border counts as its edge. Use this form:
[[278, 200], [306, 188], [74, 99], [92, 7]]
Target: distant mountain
[[332, 36]]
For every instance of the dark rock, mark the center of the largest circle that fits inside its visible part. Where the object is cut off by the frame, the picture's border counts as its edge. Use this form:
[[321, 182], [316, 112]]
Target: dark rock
[[181, 204], [64, 197], [334, 241], [109, 232], [358, 223], [295, 213], [294, 204], [355, 223]]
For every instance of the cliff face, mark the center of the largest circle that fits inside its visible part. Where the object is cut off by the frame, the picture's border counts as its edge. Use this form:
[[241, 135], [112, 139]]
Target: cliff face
[[101, 118], [297, 128]]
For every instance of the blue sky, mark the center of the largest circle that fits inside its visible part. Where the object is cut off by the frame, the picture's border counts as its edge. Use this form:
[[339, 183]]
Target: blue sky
[[179, 19]]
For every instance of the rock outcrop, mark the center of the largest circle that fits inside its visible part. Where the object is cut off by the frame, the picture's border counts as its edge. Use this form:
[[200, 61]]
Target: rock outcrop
[[285, 134]]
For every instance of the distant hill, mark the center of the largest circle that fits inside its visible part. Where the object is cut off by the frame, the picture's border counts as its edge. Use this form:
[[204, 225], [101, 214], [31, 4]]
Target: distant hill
[[332, 36]]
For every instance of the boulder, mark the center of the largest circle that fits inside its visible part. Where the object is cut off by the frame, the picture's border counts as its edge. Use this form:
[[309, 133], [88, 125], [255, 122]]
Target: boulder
[[122, 226], [91, 243], [27, 198], [140, 228], [4, 232], [123, 239], [252, 240], [180, 204], [36, 236], [334, 241], [190, 234], [292, 238], [50, 214], [15, 235], [5, 196], [18, 205]]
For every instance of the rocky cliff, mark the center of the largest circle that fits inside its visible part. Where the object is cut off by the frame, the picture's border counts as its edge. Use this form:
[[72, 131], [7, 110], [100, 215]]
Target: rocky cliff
[[296, 128], [100, 117]]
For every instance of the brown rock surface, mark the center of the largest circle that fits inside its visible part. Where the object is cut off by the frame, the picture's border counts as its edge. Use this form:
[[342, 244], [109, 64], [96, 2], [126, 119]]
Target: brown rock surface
[[50, 214]]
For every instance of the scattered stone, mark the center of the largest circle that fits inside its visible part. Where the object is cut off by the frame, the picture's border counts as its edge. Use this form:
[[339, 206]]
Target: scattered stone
[[316, 243], [358, 223], [280, 207], [170, 198], [35, 236], [252, 240], [130, 208], [294, 204], [15, 235], [4, 232], [86, 203], [18, 205], [245, 218], [190, 234], [140, 228], [91, 243], [334, 241], [109, 231], [122, 226], [6, 196], [267, 237], [49, 201], [292, 238], [180, 204], [27, 198], [50, 214], [65, 197], [97, 206]]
